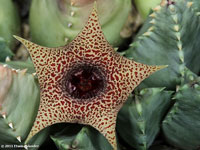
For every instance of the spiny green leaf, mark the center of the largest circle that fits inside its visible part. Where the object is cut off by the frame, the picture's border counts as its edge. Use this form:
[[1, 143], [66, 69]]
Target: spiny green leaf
[[171, 39], [85, 138], [19, 101], [55, 23], [182, 124], [9, 22], [139, 119], [4, 50], [20, 65], [195, 4]]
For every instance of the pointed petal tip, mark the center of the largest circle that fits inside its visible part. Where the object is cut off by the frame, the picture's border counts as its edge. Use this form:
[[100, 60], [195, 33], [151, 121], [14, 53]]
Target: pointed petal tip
[[94, 10], [16, 37], [28, 44], [19, 38], [157, 68], [162, 67], [95, 5]]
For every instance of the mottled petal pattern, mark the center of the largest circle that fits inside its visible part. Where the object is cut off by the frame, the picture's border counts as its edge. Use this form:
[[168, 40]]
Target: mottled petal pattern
[[90, 48]]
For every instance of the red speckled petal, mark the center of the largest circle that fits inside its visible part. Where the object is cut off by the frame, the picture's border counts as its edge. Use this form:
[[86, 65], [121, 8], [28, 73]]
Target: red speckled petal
[[89, 47], [105, 123], [41, 57]]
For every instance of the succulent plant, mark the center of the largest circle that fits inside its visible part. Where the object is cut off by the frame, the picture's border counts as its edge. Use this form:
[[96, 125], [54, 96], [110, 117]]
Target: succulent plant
[[61, 20], [142, 115], [4, 50], [19, 101], [90, 84], [77, 137], [169, 38], [182, 124], [9, 22], [20, 65]]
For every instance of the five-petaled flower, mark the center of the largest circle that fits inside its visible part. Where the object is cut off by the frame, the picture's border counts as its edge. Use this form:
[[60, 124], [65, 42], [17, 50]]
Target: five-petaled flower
[[84, 82]]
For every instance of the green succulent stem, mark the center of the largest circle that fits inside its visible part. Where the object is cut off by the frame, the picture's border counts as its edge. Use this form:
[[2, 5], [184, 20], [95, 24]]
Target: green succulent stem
[[9, 22], [181, 125], [52, 25], [139, 118], [168, 37]]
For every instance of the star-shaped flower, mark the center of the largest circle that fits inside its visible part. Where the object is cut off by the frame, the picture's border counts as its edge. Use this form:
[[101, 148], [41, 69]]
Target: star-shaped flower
[[84, 82]]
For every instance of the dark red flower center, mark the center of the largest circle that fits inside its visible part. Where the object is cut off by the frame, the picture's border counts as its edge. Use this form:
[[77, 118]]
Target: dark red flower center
[[84, 82]]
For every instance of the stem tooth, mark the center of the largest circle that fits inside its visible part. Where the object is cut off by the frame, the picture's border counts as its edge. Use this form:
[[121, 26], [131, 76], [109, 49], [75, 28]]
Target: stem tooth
[[189, 4], [147, 34], [72, 13], [11, 125], [116, 49], [151, 29], [176, 28], [178, 36], [153, 15], [153, 21], [157, 8], [179, 46], [175, 18], [177, 88], [19, 139], [182, 59], [22, 72], [72, 3], [5, 65], [173, 98], [69, 25], [7, 59], [34, 74], [25, 146], [172, 8], [4, 115], [66, 40]]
